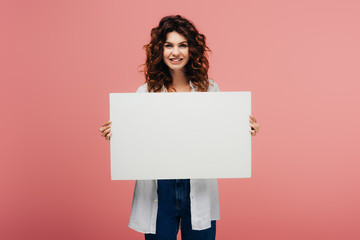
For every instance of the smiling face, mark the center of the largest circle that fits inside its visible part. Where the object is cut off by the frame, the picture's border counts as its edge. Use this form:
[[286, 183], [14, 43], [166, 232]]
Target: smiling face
[[176, 51]]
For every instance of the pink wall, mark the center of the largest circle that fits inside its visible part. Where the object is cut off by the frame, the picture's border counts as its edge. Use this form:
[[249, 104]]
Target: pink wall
[[300, 59]]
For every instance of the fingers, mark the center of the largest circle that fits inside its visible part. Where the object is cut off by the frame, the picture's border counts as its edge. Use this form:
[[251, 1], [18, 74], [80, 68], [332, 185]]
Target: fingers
[[106, 130], [253, 133], [107, 123], [252, 118], [102, 129], [105, 126], [254, 125], [108, 136]]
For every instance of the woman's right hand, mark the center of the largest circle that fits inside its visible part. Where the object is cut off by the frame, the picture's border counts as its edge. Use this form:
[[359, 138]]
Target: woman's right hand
[[106, 130]]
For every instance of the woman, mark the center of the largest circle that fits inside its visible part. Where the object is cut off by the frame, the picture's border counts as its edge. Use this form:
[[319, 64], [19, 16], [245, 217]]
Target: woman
[[176, 62]]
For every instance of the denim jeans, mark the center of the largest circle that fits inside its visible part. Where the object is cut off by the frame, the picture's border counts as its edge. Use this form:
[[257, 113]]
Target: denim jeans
[[174, 210]]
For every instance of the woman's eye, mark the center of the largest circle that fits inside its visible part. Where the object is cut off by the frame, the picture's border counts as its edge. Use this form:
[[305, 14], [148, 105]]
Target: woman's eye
[[182, 45]]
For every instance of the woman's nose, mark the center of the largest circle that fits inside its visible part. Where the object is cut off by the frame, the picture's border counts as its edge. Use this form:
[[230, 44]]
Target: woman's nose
[[176, 51]]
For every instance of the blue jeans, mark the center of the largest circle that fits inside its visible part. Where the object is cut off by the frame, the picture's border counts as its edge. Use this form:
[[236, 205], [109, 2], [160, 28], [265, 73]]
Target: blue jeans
[[174, 210]]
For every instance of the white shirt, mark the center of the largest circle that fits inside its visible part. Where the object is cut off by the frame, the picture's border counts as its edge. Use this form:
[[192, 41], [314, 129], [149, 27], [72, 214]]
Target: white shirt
[[204, 195]]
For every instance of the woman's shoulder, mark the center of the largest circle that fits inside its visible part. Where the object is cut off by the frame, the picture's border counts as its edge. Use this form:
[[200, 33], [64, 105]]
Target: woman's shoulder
[[142, 89], [213, 86]]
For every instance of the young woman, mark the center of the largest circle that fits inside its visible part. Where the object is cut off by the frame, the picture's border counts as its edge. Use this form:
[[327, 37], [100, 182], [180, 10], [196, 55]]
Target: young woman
[[176, 62]]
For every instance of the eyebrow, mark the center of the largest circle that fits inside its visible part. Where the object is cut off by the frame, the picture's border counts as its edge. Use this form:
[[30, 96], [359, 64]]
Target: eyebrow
[[179, 42]]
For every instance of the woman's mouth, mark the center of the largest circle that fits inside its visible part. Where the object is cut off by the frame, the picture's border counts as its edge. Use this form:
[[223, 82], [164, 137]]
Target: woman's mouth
[[176, 60]]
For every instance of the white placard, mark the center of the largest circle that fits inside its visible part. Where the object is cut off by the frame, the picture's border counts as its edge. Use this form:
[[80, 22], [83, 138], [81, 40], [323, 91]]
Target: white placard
[[180, 135]]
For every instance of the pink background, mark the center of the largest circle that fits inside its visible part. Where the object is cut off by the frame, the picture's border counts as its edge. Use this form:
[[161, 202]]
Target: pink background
[[300, 59]]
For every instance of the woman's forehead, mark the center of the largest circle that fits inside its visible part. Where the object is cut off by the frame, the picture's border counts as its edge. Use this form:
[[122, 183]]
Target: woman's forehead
[[175, 37]]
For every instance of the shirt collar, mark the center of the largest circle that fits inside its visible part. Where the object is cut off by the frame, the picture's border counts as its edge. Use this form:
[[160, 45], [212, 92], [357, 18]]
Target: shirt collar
[[193, 87]]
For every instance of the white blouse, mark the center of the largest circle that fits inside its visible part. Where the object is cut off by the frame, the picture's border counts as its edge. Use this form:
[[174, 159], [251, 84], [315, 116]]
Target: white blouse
[[204, 195]]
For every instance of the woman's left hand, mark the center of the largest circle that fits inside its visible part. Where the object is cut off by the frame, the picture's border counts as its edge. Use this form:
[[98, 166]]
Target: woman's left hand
[[254, 126]]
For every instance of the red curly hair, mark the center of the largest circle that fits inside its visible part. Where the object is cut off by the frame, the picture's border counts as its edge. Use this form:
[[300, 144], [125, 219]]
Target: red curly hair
[[157, 73]]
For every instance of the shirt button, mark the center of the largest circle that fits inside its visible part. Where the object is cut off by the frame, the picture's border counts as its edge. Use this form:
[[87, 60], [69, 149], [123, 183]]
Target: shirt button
[[155, 200]]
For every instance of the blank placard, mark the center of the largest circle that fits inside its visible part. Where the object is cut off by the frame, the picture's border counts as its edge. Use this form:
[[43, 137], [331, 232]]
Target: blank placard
[[180, 135]]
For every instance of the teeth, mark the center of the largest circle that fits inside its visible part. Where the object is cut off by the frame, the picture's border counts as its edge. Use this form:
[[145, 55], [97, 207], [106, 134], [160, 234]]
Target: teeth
[[175, 60]]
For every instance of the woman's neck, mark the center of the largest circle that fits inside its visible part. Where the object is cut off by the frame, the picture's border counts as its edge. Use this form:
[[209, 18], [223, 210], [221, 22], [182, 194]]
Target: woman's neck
[[179, 79]]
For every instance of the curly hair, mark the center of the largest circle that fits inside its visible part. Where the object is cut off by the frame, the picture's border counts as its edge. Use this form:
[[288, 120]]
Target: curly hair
[[157, 73]]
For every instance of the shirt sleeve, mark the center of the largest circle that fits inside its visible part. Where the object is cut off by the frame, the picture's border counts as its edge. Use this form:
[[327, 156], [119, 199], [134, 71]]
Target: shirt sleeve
[[214, 87]]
